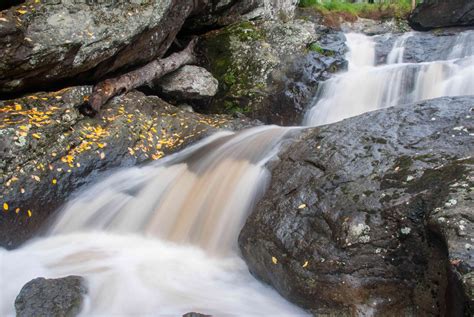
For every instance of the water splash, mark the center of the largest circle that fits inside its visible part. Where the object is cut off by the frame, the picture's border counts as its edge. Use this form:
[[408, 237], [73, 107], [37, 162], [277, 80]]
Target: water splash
[[365, 87], [131, 275]]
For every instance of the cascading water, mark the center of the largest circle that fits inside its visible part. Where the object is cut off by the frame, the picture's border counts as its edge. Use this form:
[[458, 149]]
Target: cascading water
[[366, 87], [161, 239], [118, 235]]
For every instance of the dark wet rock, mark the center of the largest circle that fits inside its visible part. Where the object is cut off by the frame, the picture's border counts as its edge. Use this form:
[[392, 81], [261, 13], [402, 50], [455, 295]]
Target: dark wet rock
[[432, 14], [48, 149], [225, 12], [189, 83], [427, 46], [372, 215], [270, 70], [375, 27], [61, 297], [44, 44], [193, 314]]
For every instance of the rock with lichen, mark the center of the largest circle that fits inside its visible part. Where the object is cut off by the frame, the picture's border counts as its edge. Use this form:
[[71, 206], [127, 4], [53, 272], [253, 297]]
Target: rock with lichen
[[268, 69], [49, 149], [188, 83], [373, 214], [218, 13], [61, 297], [42, 44]]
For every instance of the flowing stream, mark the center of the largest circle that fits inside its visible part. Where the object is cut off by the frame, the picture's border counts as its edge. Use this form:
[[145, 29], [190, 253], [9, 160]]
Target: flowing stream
[[161, 239], [367, 87]]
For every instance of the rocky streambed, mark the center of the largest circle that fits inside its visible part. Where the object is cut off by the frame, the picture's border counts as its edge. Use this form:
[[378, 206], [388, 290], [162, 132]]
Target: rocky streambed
[[372, 215]]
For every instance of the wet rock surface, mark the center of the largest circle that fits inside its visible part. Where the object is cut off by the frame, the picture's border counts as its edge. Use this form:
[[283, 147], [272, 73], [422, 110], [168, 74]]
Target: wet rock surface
[[48, 149], [42, 44], [432, 14], [188, 83], [269, 70], [373, 214], [62, 297], [193, 314]]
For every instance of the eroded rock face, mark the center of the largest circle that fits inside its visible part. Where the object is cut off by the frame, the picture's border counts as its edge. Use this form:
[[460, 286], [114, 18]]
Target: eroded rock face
[[42, 44], [62, 297], [189, 83], [224, 12], [432, 14], [268, 69], [373, 214], [48, 149]]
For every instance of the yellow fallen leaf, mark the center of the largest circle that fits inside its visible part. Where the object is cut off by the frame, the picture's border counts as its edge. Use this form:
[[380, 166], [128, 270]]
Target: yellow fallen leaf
[[54, 181], [131, 151], [18, 107], [24, 128], [305, 264], [5, 206], [17, 210], [21, 11], [274, 260], [29, 213], [302, 206], [36, 136]]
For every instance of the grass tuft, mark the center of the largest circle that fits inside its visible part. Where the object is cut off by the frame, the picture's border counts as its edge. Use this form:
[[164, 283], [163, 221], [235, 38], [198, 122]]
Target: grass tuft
[[334, 11]]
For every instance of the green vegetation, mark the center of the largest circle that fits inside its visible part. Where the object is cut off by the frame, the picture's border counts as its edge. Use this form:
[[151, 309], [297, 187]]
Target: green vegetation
[[333, 10]]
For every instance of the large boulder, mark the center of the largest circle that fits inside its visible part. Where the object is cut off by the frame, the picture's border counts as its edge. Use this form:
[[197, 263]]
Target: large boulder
[[373, 215], [62, 297], [431, 14], [270, 70], [41, 44], [48, 149], [218, 13]]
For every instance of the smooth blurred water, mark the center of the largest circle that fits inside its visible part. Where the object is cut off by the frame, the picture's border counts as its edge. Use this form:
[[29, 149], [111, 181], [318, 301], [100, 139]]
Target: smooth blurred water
[[160, 240]]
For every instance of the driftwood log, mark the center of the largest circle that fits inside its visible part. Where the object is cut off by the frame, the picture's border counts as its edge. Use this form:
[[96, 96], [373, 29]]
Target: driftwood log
[[105, 90]]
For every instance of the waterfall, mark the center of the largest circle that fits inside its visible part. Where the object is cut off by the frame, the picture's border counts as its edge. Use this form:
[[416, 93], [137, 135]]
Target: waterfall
[[199, 196], [161, 239], [366, 87]]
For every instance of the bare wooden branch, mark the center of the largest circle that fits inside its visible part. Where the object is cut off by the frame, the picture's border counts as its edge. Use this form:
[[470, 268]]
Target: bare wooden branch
[[109, 88]]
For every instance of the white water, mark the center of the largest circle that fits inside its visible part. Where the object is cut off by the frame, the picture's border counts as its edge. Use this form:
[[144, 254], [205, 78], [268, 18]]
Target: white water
[[117, 235], [160, 240], [367, 87]]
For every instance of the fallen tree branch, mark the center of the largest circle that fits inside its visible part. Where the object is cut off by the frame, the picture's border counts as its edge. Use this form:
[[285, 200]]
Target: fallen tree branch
[[109, 88]]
